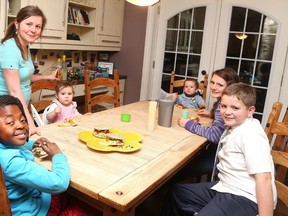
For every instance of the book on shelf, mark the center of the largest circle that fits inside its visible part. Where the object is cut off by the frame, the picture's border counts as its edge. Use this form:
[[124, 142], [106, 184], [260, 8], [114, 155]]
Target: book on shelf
[[78, 16]]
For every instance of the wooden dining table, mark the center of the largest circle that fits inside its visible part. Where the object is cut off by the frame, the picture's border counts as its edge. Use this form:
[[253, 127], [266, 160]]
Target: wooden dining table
[[115, 182]]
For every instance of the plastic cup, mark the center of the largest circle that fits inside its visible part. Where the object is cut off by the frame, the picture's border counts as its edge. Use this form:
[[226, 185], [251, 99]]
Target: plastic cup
[[165, 115], [125, 117], [184, 113]]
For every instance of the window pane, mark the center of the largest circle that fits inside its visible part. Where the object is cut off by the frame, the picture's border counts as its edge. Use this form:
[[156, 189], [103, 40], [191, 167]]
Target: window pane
[[183, 42], [249, 46], [266, 47], [253, 21], [232, 63], [171, 40], [185, 22], [193, 66], [234, 46], [165, 84], [270, 26], [169, 59], [246, 71], [263, 74], [199, 18], [260, 100], [173, 22], [238, 19], [181, 62], [196, 42]]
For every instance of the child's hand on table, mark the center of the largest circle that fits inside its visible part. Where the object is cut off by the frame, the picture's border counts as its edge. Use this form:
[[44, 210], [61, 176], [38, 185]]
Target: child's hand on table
[[49, 147], [182, 122]]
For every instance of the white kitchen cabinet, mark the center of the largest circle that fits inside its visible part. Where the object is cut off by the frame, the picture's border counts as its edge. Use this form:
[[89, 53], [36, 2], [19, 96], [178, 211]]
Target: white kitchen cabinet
[[103, 32], [110, 22], [55, 12], [2, 20]]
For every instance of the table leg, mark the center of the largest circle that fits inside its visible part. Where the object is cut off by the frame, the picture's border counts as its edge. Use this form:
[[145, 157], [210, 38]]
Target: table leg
[[109, 211]]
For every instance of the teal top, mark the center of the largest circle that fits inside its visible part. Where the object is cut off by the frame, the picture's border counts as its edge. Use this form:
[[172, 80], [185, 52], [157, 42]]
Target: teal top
[[30, 185], [11, 58]]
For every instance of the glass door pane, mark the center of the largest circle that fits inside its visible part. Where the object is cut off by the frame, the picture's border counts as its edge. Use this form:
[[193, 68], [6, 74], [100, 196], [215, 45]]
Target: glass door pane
[[183, 45], [250, 50]]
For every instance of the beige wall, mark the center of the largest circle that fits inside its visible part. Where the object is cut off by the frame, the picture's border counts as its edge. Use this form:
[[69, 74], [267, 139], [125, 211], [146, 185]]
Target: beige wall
[[129, 60]]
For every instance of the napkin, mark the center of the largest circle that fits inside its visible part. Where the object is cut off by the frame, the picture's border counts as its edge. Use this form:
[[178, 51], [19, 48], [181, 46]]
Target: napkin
[[152, 115]]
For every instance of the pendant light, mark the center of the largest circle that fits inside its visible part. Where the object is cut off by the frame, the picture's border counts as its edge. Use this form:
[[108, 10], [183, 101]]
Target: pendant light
[[143, 2], [241, 36]]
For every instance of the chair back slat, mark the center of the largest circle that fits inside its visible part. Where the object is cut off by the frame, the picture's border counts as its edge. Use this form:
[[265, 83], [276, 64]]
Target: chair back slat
[[280, 160], [273, 116], [41, 85]]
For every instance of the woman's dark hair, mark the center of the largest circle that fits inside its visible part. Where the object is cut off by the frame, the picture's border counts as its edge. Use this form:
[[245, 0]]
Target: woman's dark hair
[[24, 13], [230, 76]]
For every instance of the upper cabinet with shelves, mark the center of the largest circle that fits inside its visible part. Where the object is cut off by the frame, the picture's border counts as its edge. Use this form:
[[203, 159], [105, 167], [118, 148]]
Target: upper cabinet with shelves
[[110, 22], [73, 24], [81, 21]]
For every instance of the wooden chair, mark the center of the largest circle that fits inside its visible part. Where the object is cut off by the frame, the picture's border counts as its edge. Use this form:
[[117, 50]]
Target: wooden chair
[[91, 100], [281, 161], [4, 201], [276, 132], [180, 83], [40, 85], [276, 129], [38, 106]]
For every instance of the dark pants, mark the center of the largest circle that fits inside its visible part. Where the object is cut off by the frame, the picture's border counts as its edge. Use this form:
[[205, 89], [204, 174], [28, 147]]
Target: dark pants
[[187, 199]]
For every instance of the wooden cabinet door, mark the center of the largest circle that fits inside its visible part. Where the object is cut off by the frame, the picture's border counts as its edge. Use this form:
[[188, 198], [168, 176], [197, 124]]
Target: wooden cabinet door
[[111, 14], [2, 18], [55, 12]]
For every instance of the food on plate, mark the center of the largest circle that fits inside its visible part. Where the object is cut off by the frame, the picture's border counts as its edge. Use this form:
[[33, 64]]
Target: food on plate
[[101, 132], [72, 122], [181, 106], [195, 119], [114, 139], [68, 122], [39, 152]]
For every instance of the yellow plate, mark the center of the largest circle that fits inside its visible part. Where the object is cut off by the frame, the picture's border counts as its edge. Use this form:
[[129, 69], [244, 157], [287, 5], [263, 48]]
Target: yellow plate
[[84, 136], [88, 135], [132, 136], [101, 145]]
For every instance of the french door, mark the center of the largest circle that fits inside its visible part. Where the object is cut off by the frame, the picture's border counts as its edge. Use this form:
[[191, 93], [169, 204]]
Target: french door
[[250, 36]]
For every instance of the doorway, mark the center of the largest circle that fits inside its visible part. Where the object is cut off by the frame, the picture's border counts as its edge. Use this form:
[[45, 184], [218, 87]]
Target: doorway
[[249, 36]]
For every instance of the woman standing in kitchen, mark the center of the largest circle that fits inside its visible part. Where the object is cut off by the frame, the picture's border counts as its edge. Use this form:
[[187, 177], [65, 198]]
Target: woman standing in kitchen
[[16, 66]]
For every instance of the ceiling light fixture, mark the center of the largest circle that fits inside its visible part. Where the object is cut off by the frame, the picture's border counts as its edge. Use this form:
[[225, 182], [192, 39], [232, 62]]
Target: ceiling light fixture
[[143, 2], [241, 36]]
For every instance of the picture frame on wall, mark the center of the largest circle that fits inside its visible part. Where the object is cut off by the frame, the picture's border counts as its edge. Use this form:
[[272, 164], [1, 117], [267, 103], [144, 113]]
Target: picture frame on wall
[[107, 66], [103, 56]]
